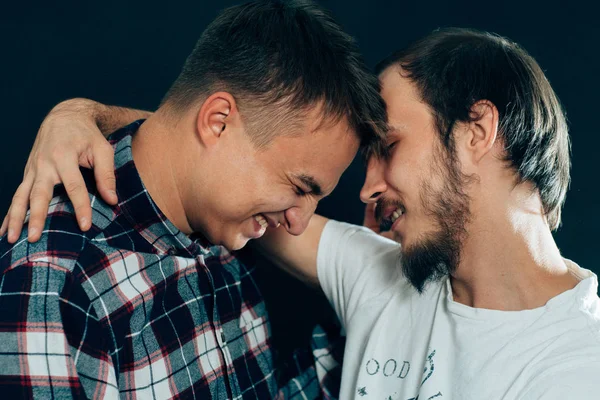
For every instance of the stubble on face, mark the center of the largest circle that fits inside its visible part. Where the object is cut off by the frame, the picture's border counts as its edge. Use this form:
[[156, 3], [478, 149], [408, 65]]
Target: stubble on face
[[437, 254]]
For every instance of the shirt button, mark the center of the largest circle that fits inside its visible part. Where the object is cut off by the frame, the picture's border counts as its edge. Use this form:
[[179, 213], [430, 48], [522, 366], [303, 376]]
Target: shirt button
[[223, 338], [172, 252]]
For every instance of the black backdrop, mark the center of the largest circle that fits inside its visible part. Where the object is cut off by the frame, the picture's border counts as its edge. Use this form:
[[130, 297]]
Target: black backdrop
[[128, 54]]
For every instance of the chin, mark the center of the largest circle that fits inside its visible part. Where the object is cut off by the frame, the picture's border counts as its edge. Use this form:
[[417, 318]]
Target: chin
[[237, 243], [401, 239]]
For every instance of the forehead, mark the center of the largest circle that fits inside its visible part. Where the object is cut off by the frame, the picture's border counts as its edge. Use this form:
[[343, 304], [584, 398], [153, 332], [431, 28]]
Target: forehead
[[403, 100], [326, 142], [320, 130], [323, 150]]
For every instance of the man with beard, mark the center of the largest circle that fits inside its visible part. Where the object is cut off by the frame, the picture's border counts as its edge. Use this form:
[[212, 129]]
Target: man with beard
[[483, 305]]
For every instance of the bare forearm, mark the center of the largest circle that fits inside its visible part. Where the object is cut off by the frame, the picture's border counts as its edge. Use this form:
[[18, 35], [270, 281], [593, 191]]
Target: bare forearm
[[295, 254], [107, 118]]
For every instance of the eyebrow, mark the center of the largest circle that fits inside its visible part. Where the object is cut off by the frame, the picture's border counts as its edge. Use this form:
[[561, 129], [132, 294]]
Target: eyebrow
[[311, 183]]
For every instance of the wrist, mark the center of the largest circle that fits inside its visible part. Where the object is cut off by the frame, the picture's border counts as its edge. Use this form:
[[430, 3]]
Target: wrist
[[72, 110], [77, 105]]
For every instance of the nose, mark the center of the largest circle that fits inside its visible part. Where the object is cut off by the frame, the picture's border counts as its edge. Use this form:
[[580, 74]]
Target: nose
[[374, 185], [297, 217]]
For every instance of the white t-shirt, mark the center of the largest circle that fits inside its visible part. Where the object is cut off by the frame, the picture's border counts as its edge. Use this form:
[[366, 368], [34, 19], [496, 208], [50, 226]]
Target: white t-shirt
[[402, 345]]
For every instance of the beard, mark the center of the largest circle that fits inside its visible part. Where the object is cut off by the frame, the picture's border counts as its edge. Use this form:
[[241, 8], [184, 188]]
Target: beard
[[436, 254]]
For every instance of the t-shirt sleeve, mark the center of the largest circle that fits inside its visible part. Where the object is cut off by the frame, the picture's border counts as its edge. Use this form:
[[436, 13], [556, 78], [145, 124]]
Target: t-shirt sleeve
[[355, 264]]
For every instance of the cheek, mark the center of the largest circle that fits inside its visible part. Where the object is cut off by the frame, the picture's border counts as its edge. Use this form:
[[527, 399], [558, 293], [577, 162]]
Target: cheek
[[404, 172], [230, 201], [278, 200], [257, 200]]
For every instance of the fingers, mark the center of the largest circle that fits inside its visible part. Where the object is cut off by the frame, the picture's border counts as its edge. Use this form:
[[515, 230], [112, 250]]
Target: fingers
[[4, 226], [69, 174], [18, 210], [104, 171], [39, 199]]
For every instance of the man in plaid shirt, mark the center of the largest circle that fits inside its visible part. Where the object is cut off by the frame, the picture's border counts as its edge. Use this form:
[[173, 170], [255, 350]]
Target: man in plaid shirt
[[148, 302]]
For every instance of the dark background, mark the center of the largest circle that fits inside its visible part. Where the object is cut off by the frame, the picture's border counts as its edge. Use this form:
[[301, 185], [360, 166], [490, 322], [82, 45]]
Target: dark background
[[129, 54]]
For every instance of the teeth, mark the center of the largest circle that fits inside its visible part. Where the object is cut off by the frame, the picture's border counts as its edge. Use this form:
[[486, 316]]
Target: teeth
[[396, 214], [261, 220]]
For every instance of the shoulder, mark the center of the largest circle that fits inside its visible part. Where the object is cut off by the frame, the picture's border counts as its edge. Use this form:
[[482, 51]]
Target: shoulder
[[61, 242], [583, 315], [363, 241], [356, 255], [572, 381], [569, 361]]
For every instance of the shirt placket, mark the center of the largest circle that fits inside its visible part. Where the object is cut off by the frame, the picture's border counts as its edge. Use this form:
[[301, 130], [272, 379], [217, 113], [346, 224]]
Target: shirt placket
[[221, 340]]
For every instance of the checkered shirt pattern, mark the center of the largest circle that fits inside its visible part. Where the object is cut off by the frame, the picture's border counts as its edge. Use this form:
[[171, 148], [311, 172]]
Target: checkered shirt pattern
[[135, 309]]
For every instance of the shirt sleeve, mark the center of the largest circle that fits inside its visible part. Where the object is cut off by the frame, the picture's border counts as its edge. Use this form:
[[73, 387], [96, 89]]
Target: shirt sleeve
[[355, 264], [52, 344]]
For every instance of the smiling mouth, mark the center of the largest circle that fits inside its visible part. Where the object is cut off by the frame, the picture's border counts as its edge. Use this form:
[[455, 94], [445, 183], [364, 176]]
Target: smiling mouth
[[260, 226], [262, 221], [396, 214], [387, 213], [267, 221]]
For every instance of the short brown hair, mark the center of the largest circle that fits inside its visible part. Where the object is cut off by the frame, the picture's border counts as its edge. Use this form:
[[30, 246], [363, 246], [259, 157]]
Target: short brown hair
[[278, 59]]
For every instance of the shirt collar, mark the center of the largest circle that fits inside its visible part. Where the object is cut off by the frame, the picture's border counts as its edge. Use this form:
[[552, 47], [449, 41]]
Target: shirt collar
[[139, 208]]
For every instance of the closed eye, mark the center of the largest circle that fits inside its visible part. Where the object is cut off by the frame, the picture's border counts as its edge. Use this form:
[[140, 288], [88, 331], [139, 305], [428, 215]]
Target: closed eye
[[301, 192], [390, 148], [309, 182]]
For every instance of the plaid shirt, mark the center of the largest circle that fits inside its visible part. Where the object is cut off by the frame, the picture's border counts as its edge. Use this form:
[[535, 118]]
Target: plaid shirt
[[134, 308]]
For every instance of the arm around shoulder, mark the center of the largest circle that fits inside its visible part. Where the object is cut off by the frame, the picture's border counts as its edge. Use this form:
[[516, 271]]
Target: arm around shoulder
[[71, 135], [295, 254], [107, 118]]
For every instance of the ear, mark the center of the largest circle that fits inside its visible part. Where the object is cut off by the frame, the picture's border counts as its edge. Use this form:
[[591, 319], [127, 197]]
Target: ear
[[214, 116], [479, 135]]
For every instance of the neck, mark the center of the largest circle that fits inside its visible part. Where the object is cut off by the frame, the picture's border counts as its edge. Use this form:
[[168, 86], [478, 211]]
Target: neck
[[154, 152], [510, 260]]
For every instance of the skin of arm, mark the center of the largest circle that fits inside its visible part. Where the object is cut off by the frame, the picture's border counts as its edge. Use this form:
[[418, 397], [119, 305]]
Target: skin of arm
[[296, 255], [72, 134], [109, 118]]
